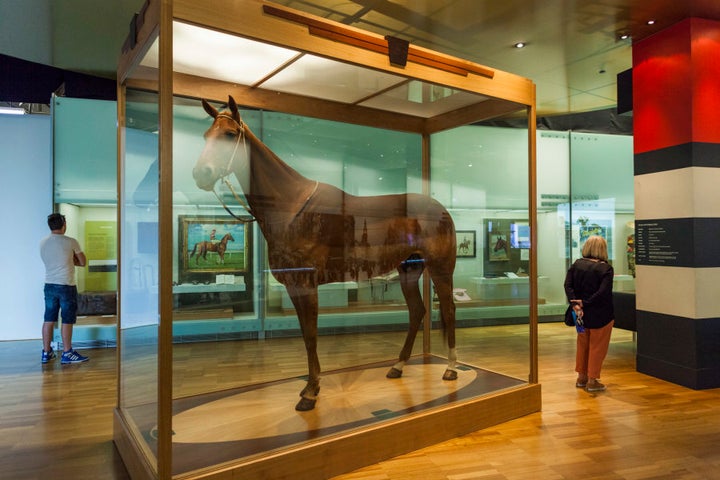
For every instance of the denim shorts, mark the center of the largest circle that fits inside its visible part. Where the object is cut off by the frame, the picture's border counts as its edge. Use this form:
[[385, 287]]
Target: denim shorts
[[61, 298]]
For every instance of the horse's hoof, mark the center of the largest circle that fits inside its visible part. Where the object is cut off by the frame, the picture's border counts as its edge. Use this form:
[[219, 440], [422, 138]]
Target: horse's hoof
[[305, 404], [394, 373], [450, 375], [310, 391]]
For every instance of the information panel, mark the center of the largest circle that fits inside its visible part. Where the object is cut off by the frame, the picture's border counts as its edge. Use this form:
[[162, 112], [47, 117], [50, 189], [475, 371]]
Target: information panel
[[677, 242]]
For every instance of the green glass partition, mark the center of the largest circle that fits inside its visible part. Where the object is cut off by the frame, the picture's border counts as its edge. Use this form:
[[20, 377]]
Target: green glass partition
[[602, 193], [480, 173], [139, 278]]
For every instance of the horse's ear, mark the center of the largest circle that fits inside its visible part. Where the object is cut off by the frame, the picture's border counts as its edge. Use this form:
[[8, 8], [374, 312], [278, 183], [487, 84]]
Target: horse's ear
[[209, 109], [233, 108]]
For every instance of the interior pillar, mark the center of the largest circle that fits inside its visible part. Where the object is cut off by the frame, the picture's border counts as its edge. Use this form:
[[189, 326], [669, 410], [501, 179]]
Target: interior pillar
[[676, 110]]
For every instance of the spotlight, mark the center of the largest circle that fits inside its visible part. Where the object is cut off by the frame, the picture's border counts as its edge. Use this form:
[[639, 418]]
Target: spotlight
[[520, 45]]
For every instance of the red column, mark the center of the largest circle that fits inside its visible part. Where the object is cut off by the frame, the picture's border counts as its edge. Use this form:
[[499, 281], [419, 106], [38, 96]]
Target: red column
[[676, 86], [676, 115]]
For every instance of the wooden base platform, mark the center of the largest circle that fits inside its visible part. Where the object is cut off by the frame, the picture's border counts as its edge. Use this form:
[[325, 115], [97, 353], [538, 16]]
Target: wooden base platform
[[361, 418]]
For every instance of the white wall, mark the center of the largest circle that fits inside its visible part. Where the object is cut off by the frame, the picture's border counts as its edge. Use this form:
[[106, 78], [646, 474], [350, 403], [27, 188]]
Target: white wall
[[26, 199]]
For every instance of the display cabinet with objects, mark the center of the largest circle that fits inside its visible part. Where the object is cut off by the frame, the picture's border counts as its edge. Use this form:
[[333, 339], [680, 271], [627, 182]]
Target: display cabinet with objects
[[309, 228]]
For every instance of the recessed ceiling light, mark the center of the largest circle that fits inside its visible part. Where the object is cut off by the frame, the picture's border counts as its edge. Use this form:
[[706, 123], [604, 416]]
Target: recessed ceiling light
[[624, 36], [651, 22], [520, 45]]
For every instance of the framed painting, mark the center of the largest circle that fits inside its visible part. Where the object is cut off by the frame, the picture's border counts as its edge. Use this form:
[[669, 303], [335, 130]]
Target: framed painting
[[465, 243], [498, 247], [585, 227], [212, 246]]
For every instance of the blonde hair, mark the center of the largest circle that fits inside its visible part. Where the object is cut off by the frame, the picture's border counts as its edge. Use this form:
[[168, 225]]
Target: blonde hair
[[595, 247]]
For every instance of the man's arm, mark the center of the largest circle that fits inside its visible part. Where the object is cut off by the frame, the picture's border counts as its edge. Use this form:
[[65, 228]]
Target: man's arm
[[79, 259]]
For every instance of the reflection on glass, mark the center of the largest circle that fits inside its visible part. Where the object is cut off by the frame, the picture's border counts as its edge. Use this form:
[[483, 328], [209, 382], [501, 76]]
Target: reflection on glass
[[139, 273], [325, 222], [318, 234], [602, 200], [480, 173]]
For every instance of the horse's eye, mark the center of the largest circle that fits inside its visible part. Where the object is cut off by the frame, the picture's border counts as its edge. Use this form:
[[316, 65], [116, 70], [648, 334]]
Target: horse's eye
[[230, 134]]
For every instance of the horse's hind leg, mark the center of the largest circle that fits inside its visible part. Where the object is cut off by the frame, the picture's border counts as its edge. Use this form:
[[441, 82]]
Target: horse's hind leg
[[409, 282], [443, 289]]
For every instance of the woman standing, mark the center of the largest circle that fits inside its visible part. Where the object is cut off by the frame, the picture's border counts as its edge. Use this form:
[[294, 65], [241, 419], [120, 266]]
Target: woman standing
[[588, 286]]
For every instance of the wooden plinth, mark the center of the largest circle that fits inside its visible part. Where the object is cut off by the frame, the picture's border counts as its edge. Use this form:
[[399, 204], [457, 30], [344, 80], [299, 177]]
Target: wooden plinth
[[361, 418]]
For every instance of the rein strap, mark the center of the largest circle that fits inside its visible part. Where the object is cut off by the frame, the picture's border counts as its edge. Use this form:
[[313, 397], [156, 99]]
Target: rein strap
[[226, 172]]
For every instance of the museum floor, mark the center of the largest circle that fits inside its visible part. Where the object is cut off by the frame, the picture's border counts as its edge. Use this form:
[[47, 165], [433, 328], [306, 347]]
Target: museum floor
[[56, 422]]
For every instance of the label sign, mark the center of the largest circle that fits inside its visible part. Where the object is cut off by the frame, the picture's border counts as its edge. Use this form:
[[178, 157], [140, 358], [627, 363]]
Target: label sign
[[678, 242]]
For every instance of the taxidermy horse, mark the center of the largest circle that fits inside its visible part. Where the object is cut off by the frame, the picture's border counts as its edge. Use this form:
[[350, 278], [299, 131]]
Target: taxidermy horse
[[205, 246], [318, 234]]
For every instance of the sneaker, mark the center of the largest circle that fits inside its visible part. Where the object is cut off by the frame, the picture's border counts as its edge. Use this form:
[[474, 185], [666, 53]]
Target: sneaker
[[72, 357], [47, 356], [595, 386]]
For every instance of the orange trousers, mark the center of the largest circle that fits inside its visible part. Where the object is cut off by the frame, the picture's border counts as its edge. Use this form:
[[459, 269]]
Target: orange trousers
[[592, 347]]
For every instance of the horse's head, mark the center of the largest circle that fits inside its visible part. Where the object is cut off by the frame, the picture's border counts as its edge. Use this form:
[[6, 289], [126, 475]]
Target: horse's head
[[222, 144], [230, 237]]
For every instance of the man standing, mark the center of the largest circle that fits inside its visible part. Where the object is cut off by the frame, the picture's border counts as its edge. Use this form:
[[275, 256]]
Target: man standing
[[60, 254]]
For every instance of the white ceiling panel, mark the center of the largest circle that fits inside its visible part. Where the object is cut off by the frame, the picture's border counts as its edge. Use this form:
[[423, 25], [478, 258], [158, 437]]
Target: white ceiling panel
[[318, 77]]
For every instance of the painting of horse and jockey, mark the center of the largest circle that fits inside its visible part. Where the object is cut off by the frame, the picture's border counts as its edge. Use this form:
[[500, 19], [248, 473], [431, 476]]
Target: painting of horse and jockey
[[212, 245]]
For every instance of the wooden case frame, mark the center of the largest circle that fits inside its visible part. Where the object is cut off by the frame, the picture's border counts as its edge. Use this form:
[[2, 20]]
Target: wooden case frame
[[504, 92]]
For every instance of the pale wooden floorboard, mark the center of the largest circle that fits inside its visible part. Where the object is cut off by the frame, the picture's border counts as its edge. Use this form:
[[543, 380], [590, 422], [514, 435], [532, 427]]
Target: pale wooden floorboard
[[56, 421]]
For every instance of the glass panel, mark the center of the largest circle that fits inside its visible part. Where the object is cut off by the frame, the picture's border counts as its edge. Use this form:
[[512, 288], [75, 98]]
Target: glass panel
[[85, 172], [283, 220], [603, 200], [86, 192], [237, 298], [553, 186], [240, 303], [214, 292], [139, 270], [480, 174]]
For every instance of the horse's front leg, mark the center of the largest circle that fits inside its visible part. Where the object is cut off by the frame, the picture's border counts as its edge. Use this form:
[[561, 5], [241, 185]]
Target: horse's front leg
[[305, 300]]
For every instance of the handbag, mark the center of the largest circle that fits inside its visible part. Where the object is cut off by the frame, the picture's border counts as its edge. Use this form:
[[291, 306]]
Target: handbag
[[569, 320]]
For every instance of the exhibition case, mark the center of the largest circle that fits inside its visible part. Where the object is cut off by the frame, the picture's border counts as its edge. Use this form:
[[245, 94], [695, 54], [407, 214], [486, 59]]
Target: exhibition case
[[316, 267]]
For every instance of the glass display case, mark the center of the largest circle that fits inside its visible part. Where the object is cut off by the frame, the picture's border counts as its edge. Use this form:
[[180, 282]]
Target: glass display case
[[319, 267]]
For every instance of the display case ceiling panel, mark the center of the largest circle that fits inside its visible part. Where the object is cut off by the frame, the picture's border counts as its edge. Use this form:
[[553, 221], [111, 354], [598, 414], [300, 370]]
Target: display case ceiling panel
[[313, 76], [215, 55], [422, 99]]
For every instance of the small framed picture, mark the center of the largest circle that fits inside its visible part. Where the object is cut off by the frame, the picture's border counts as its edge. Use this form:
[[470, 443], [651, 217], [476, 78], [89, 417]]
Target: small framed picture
[[465, 243], [498, 248]]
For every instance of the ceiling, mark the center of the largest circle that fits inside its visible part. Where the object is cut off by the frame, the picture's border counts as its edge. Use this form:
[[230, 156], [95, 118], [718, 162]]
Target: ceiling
[[573, 50]]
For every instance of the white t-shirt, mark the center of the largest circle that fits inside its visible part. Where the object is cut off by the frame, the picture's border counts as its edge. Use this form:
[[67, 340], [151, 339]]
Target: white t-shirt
[[57, 252]]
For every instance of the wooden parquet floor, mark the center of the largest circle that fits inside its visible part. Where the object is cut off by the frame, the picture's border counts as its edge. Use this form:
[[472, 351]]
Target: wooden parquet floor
[[56, 422]]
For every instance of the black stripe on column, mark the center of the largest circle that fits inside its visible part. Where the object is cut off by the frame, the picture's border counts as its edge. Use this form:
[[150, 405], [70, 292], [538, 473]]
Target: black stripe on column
[[678, 242], [681, 350], [694, 154]]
